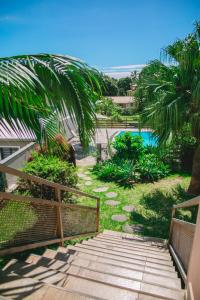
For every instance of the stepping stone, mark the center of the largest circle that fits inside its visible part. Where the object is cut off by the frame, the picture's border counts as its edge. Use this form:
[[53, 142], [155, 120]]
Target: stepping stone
[[111, 195], [87, 178], [132, 228], [101, 189], [119, 218], [88, 182], [112, 202], [81, 175], [129, 208], [87, 173]]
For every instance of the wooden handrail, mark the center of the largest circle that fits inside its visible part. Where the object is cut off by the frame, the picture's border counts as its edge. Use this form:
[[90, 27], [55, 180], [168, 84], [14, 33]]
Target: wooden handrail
[[191, 202], [186, 255], [41, 181]]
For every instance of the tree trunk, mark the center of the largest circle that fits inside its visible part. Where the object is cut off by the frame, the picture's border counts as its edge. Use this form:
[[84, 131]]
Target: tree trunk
[[194, 187]]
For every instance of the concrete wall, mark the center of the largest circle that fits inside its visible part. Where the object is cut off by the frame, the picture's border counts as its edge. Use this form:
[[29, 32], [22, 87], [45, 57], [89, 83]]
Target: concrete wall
[[17, 161]]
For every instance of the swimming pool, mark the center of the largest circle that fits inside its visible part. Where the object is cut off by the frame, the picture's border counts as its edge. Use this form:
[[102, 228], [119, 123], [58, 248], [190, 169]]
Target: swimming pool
[[148, 138]]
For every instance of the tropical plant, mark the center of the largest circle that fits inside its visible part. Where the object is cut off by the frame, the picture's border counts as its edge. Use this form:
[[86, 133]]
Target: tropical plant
[[128, 146], [107, 107], [50, 168], [170, 95], [39, 92]]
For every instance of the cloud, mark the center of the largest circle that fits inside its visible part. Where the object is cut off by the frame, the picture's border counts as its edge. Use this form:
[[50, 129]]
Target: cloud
[[139, 66], [122, 71]]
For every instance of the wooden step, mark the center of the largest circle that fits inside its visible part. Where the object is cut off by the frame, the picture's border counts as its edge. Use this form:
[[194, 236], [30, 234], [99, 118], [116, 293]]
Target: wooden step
[[105, 291], [127, 265], [63, 266], [133, 241], [130, 245], [126, 255], [110, 246], [126, 284], [118, 258], [147, 277], [13, 286], [173, 283], [37, 272]]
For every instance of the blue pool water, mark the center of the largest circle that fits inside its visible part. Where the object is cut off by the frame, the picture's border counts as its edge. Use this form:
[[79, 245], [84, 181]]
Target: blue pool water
[[148, 138]]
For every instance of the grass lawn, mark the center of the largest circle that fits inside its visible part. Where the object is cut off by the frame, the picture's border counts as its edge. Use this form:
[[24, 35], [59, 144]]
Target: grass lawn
[[152, 203]]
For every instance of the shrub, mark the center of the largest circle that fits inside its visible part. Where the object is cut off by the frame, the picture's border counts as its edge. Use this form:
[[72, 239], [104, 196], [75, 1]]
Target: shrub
[[128, 146], [50, 168], [120, 171], [150, 168]]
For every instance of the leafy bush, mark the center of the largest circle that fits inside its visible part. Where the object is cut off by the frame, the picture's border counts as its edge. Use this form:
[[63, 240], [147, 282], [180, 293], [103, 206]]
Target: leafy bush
[[106, 107], [132, 162], [128, 146], [120, 171], [151, 168], [50, 168]]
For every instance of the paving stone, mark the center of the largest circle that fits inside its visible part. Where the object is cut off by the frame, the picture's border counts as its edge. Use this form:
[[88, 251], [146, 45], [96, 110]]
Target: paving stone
[[129, 208], [119, 218], [101, 189], [81, 175], [87, 173], [112, 202], [88, 182], [132, 228], [111, 195], [87, 178]]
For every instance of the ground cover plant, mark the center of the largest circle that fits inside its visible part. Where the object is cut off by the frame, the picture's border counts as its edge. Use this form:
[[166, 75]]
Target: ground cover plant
[[150, 217]]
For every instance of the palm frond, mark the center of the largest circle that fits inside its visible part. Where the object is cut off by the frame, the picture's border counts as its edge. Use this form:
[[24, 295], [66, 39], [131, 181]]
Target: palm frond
[[32, 87]]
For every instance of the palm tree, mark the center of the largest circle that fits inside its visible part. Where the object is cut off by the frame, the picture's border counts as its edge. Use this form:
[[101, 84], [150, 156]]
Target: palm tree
[[38, 92], [170, 95]]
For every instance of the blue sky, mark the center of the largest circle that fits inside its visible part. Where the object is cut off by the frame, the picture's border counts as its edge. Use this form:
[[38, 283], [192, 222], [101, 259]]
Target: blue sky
[[104, 33]]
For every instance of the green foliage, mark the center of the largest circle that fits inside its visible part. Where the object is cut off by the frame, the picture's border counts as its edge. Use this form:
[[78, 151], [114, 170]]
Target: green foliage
[[124, 85], [50, 168], [110, 86], [154, 211], [151, 168], [132, 162], [107, 107], [41, 90], [168, 95], [128, 146]]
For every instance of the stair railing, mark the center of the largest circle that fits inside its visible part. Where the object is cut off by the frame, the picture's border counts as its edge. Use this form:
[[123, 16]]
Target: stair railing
[[184, 244], [27, 222]]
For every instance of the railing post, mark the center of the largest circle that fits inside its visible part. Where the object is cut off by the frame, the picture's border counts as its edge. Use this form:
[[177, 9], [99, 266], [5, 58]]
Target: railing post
[[193, 268], [98, 215], [171, 225], [59, 216]]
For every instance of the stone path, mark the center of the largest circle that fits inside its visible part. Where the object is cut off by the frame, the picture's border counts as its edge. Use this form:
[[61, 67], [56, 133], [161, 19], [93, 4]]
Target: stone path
[[87, 178], [119, 218], [134, 228], [88, 182], [129, 208], [81, 175], [101, 189], [112, 202], [111, 195]]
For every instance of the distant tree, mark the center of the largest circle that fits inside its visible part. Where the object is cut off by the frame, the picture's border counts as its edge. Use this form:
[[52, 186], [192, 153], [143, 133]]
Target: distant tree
[[110, 87], [124, 84]]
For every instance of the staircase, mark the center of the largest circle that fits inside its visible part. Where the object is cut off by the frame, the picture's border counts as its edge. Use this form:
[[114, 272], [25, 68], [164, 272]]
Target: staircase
[[112, 265]]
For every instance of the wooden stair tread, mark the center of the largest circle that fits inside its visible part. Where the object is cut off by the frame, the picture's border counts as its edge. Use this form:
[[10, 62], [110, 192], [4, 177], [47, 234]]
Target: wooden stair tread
[[130, 245], [120, 258], [156, 279], [133, 251], [133, 243], [104, 291], [13, 286], [126, 255], [127, 284]]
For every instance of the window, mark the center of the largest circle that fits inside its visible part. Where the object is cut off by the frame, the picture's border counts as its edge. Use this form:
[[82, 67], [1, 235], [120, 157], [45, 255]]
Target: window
[[7, 151]]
